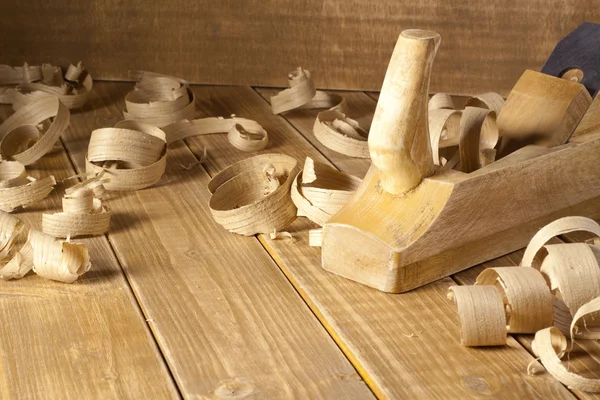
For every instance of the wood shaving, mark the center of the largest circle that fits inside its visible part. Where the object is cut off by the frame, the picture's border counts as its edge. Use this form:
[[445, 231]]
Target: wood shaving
[[464, 139], [17, 189], [45, 81], [315, 237], [332, 127], [525, 293], [556, 284], [481, 315], [253, 196], [549, 345], [83, 212], [320, 191], [22, 250], [20, 138], [283, 236]]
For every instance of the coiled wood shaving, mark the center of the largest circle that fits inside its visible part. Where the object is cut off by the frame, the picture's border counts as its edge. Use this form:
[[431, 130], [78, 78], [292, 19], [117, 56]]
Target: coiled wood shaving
[[332, 127], [17, 189], [559, 282], [319, 191], [83, 212], [22, 250], [253, 196], [464, 139], [37, 82], [20, 138]]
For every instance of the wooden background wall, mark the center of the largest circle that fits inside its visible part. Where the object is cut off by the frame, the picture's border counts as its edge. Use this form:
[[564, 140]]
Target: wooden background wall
[[486, 44]]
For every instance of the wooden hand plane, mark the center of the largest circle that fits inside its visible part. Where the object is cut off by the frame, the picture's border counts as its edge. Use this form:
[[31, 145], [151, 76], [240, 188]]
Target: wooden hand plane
[[411, 222]]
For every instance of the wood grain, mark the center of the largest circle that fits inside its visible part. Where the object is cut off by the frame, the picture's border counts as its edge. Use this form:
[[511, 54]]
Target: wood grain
[[228, 322], [83, 340], [486, 45], [404, 346]]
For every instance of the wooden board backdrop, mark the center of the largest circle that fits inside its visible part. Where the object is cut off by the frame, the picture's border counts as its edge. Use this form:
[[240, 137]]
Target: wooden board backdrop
[[486, 44]]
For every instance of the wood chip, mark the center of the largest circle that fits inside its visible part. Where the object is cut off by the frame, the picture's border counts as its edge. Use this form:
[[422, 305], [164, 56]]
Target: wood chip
[[315, 237], [253, 196], [83, 212], [20, 139], [481, 314], [320, 191]]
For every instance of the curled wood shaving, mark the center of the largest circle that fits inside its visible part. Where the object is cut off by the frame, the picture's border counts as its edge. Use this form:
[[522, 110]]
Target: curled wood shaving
[[19, 190], [332, 127], [525, 293], [574, 276], [481, 314], [20, 138], [550, 345], [315, 237], [440, 101], [561, 226], [464, 139], [244, 134], [35, 83], [132, 155], [341, 134], [22, 250], [159, 100], [320, 191], [83, 212], [253, 196], [12, 237], [283, 236], [58, 260], [582, 326]]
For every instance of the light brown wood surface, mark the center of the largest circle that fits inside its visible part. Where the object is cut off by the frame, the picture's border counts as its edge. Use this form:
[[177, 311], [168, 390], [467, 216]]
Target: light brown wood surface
[[392, 344], [84, 340], [346, 44], [226, 319]]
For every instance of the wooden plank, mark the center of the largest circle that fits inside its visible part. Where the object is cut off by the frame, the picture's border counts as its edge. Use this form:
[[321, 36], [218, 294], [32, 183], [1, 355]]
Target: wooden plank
[[227, 320], [84, 340], [404, 346], [486, 45]]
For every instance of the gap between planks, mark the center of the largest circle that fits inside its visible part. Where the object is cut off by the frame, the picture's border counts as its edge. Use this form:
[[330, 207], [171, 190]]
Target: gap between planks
[[330, 363], [466, 277], [213, 101]]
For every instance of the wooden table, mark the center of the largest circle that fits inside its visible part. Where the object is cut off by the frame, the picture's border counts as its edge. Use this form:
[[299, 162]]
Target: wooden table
[[175, 306]]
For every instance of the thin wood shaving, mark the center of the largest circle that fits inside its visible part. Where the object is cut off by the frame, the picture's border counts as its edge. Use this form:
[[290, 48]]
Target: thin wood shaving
[[549, 345], [45, 81], [132, 155], [83, 212], [22, 250], [253, 196], [19, 190], [525, 293], [332, 127], [556, 284], [464, 139], [481, 314], [20, 138], [315, 237], [319, 191]]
